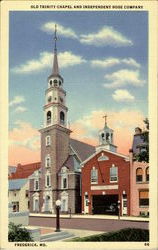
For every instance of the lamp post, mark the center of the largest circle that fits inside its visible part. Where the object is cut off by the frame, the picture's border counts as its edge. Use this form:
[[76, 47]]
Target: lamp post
[[118, 209], [58, 205]]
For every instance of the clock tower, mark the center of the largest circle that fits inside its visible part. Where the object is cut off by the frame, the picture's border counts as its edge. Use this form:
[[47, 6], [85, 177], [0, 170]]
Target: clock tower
[[54, 135]]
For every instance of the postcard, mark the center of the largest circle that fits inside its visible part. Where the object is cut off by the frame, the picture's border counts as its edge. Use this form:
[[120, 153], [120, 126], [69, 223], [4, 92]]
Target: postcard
[[79, 124]]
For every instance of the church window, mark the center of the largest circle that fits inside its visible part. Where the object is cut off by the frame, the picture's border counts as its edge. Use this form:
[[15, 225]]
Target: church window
[[64, 182], [147, 174], [94, 175], [62, 118], [139, 175], [47, 161], [48, 117], [59, 83], [48, 141], [113, 173], [55, 81], [50, 82], [36, 185], [48, 180]]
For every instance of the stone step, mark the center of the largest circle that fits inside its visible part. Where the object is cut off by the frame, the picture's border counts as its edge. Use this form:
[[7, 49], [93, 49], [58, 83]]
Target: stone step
[[56, 236]]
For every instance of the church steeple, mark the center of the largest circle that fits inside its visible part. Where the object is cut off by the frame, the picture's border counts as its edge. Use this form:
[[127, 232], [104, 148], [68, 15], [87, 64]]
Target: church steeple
[[55, 96], [55, 71]]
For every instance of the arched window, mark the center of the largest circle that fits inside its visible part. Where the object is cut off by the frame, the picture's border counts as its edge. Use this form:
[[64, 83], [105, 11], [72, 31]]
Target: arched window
[[147, 174], [50, 83], [94, 175], [139, 175], [48, 117], [62, 118]]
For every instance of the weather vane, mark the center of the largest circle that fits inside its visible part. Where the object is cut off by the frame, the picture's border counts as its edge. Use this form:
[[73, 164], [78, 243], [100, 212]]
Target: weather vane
[[105, 117]]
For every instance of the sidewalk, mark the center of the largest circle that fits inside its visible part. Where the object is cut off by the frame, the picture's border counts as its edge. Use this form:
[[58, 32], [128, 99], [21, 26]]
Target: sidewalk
[[87, 216], [46, 231]]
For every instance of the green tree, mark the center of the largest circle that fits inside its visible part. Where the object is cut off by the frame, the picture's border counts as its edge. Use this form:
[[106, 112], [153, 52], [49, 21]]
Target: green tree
[[144, 147], [17, 233]]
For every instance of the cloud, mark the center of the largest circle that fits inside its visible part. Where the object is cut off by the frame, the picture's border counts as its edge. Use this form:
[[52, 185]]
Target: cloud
[[107, 36], [24, 144], [49, 27], [122, 78], [20, 109], [112, 61], [122, 95], [86, 129], [66, 59], [16, 100]]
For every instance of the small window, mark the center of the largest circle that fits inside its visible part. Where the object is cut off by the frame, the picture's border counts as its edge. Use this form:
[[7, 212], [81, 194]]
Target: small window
[[144, 198], [36, 185], [48, 183], [47, 161], [94, 175], [48, 140], [139, 175], [64, 182], [114, 173], [15, 206], [50, 83], [147, 174]]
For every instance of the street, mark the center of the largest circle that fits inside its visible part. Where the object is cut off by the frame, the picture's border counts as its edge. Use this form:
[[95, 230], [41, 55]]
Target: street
[[106, 225]]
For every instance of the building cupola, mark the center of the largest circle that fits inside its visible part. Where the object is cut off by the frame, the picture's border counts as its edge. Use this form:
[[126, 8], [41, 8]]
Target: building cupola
[[106, 138]]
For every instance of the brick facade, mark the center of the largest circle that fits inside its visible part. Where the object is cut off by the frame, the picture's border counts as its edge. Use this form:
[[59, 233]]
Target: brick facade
[[103, 187]]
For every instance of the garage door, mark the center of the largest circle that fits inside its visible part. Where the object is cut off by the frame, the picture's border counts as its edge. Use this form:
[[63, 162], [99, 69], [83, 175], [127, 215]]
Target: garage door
[[105, 204]]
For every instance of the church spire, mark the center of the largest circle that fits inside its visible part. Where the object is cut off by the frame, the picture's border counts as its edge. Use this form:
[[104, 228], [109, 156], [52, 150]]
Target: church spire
[[55, 71]]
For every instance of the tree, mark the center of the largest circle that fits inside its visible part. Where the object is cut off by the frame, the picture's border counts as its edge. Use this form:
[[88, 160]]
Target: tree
[[17, 233], [144, 146]]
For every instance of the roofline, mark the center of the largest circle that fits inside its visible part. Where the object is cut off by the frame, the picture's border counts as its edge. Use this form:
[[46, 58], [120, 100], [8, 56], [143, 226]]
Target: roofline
[[75, 152], [105, 150]]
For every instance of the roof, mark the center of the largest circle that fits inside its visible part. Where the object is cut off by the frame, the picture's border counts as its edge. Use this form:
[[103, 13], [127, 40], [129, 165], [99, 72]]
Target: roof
[[24, 171], [108, 151], [72, 163], [17, 184], [82, 149]]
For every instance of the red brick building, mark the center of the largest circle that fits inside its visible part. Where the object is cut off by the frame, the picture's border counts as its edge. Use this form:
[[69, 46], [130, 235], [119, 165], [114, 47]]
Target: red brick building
[[105, 181]]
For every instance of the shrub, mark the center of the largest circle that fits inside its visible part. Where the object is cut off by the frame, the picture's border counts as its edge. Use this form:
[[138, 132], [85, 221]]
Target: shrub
[[127, 234], [17, 233]]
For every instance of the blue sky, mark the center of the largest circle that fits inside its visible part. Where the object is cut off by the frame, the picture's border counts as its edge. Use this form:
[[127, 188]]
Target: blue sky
[[103, 58]]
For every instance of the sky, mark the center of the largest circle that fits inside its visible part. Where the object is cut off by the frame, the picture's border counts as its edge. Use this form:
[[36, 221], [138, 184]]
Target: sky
[[103, 58]]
